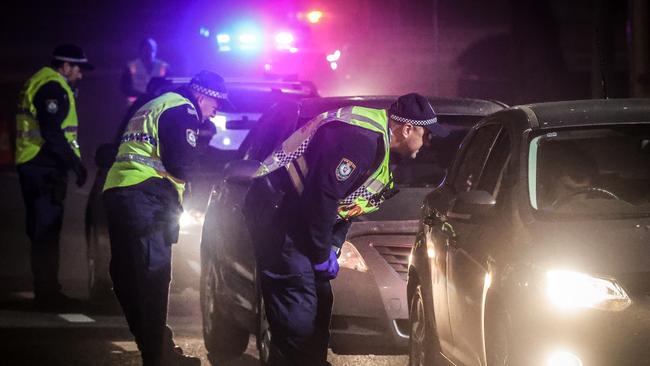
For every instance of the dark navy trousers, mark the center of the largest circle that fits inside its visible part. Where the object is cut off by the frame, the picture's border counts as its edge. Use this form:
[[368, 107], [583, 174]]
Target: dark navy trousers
[[298, 306], [44, 190], [297, 301], [142, 231]]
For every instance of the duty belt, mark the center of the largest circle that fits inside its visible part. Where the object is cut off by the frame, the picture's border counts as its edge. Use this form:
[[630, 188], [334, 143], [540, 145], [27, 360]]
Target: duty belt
[[150, 162], [139, 136]]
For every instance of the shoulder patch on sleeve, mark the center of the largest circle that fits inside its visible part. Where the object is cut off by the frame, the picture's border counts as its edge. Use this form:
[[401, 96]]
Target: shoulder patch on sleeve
[[344, 169], [190, 136], [52, 105]]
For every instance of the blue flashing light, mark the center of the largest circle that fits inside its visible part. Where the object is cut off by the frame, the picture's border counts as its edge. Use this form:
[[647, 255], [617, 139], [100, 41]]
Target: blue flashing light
[[205, 32], [248, 41]]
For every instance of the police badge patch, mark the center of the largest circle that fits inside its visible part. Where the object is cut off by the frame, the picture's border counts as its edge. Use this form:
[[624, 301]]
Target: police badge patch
[[190, 135], [52, 106], [345, 169]]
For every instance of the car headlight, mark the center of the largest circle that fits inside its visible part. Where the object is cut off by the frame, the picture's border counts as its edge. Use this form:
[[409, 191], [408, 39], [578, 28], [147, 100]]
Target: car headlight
[[571, 290], [351, 258]]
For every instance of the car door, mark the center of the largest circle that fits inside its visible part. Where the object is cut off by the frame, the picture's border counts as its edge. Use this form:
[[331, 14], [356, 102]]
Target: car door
[[467, 256]]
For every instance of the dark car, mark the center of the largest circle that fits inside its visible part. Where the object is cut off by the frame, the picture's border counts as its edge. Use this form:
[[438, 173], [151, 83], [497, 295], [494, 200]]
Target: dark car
[[370, 309], [535, 249], [251, 98]]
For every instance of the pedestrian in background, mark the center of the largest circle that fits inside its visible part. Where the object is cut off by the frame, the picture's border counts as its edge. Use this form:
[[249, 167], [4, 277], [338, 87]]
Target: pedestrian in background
[[142, 198], [46, 148], [138, 72]]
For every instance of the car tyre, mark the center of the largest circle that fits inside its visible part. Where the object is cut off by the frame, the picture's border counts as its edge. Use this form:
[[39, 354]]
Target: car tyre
[[424, 349], [100, 286], [223, 338], [264, 336]]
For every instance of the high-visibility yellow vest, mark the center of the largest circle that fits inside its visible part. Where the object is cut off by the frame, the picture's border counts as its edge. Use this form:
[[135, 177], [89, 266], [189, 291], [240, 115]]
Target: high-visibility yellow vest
[[290, 155], [138, 157], [140, 76], [28, 134]]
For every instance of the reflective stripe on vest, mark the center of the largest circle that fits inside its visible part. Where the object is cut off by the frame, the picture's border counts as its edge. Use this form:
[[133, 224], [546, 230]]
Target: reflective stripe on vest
[[290, 155], [138, 157], [28, 135], [140, 77]]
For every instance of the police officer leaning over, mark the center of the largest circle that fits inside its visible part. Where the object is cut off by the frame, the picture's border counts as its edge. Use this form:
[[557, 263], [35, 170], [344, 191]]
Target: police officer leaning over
[[142, 197], [46, 148], [334, 168]]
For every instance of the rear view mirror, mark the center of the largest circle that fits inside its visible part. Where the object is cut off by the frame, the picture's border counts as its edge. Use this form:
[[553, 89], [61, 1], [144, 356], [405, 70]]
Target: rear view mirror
[[473, 204], [241, 171]]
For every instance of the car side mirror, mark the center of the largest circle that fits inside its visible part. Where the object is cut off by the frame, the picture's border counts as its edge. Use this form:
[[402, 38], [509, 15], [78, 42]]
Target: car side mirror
[[241, 171], [473, 204]]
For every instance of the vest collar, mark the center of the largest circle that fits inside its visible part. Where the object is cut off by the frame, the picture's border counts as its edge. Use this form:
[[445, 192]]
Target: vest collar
[[185, 92]]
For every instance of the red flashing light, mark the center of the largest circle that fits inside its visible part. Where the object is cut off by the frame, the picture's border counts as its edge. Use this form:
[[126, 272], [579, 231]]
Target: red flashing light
[[314, 16]]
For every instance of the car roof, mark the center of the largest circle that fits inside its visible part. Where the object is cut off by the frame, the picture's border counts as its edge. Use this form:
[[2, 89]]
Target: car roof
[[311, 107], [585, 112], [297, 87]]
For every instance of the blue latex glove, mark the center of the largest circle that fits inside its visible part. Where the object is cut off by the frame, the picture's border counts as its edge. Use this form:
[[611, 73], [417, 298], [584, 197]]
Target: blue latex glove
[[328, 269]]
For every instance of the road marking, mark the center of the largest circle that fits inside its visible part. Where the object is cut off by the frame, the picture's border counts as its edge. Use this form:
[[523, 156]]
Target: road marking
[[76, 318]]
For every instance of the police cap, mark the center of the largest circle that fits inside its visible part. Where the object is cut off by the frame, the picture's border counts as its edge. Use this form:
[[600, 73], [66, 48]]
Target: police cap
[[72, 54], [416, 110], [212, 85]]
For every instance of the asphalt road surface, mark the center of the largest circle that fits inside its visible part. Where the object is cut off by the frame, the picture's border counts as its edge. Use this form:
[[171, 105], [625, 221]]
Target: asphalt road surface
[[89, 334]]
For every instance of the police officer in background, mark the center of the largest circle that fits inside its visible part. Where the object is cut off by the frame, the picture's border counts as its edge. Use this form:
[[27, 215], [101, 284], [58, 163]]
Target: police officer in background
[[142, 197], [138, 72], [46, 148], [334, 168]]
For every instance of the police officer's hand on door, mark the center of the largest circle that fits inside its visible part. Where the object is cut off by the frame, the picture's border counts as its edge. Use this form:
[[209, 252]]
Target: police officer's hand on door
[[329, 269]]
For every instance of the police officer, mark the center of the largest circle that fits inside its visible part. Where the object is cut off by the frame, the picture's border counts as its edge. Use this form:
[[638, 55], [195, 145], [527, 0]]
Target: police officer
[[142, 197], [46, 148], [138, 72], [334, 168]]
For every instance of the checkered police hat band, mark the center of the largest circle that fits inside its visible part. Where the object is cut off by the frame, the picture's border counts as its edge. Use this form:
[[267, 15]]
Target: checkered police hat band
[[208, 92], [71, 59], [415, 122]]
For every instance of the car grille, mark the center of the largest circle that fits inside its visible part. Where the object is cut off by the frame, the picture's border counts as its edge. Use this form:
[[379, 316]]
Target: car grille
[[396, 255]]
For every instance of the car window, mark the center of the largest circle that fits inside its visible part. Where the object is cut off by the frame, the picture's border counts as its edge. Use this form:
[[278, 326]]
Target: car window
[[474, 157], [416, 177], [272, 128], [495, 166], [602, 171]]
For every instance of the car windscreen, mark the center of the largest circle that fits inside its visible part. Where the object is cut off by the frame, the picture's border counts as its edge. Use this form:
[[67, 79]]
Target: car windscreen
[[599, 171], [415, 178]]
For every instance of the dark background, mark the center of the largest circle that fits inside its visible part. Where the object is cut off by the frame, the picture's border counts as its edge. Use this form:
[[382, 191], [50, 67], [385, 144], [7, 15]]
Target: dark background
[[517, 51]]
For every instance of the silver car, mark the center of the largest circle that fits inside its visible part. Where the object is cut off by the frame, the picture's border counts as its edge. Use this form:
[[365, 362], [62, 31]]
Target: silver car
[[370, 312]]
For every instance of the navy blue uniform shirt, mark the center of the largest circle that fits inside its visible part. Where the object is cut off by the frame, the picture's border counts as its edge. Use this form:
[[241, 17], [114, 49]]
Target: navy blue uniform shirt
[[317, 225]]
